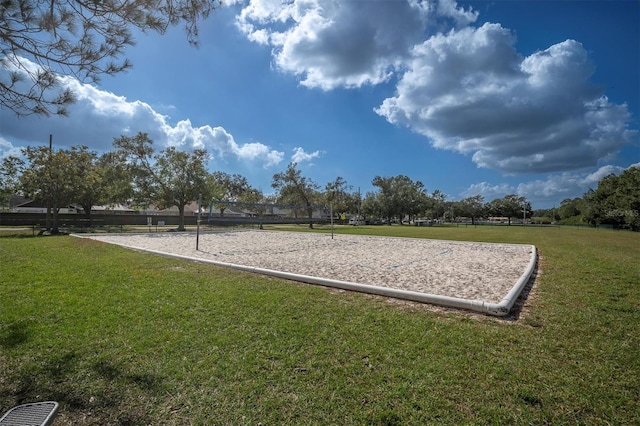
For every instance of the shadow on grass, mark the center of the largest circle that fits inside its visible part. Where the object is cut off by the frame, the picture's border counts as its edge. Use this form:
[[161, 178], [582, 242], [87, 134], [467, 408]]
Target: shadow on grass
[[104, 391], [13, 334], [386, 418], [117, 373], [521, 302], [5, 234], [28, 233]]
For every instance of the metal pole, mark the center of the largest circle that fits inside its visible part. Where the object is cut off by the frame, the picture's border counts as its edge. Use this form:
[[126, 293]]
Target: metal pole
[[359, 205], [198, 221], [331, 208]]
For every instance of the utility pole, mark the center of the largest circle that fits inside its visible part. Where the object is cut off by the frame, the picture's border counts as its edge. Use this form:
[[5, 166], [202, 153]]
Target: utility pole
[[48, 196], [359, 205]]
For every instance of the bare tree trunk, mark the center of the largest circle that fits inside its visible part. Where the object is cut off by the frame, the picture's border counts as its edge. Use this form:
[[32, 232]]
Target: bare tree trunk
[[310, 213], [181, 218], [54, 225], [48, 217], [87, 214]]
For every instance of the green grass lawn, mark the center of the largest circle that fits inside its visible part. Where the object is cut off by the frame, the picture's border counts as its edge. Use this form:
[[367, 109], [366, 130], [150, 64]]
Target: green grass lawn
[[124, 337]]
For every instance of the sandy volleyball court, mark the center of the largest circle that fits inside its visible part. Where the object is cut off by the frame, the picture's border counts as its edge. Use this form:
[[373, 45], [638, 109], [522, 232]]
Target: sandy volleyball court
[[465, 270]]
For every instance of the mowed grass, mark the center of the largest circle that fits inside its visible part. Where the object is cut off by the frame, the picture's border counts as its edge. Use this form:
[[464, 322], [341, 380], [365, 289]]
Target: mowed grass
[[124, 337]]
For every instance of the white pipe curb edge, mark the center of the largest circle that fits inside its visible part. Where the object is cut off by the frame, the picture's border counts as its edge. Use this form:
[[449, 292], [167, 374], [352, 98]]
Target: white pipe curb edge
[[496, 309]]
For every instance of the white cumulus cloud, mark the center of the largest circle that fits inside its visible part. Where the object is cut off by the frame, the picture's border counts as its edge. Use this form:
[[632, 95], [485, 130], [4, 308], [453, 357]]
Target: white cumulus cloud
[[341, 43], [299, 155], [7, 149], [470, 91], [99, 116], [218, 142]]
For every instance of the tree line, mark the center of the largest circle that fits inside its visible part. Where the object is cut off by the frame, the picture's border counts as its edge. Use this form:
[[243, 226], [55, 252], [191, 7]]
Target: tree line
[[135, 173], [615, 202]]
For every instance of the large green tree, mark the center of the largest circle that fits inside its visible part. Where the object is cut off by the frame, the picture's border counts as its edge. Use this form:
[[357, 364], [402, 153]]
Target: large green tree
[[413, 196], [616, 200], [165, 179], [9, 178], [255, 202], [571, 208], [115, 180], [227, 188], [52, 177], [105, 180], [386, 199], [399, 196], [338, 197], [372, 207], [473, 207], [63, 177], [40, 40], [295, 189], [88, 189], [437, 205], [510, 206]]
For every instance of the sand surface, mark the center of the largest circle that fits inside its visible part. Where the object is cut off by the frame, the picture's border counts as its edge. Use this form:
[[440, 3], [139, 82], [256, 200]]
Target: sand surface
[[467, 270]]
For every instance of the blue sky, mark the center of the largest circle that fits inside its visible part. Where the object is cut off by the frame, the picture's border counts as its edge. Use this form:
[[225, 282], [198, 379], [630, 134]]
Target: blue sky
[[536, 98]]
